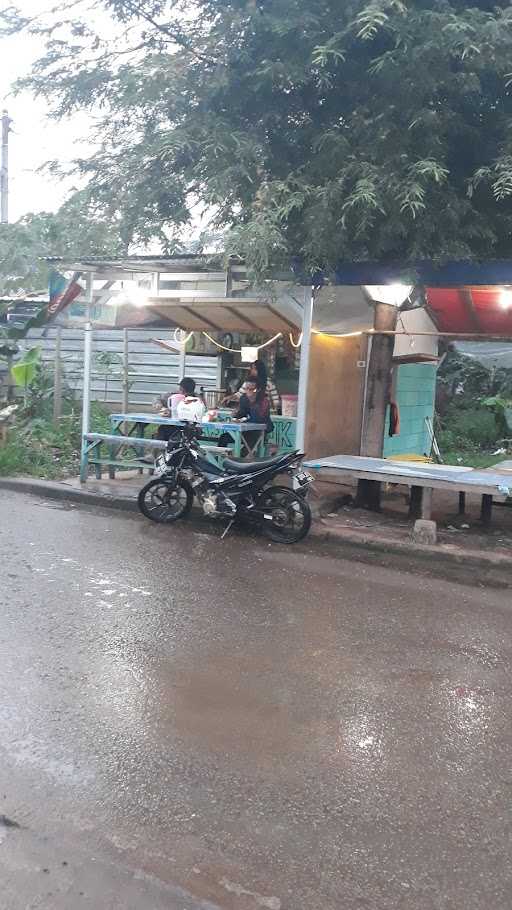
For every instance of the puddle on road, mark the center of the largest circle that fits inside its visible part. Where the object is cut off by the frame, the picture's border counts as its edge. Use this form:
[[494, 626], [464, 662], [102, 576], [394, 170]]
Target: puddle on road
[[59, 505]]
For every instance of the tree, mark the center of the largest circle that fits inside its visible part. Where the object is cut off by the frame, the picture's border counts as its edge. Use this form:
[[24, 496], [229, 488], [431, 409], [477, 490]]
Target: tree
[[106, 363], [76, 229], [325, 130]]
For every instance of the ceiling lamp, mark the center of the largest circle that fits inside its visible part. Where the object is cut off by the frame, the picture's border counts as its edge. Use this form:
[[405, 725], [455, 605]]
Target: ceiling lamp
[[392, 294]]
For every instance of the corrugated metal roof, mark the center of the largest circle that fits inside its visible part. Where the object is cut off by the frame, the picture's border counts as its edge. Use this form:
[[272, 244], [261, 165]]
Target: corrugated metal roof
[[471, 310], [150, 263]]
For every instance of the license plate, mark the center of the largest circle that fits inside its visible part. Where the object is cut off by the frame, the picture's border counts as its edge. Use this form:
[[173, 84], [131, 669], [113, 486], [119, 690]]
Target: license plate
[[301, 480]]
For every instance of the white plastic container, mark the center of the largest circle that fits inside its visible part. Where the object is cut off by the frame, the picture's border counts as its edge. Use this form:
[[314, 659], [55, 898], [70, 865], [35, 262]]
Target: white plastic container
[[289, 405]]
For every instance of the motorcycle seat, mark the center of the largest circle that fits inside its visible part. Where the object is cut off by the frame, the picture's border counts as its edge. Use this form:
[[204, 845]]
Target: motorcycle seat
[[249, 467]]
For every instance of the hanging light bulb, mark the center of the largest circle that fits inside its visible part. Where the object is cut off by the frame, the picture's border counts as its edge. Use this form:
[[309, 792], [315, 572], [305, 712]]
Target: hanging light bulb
[[392, 294], [506, 298]]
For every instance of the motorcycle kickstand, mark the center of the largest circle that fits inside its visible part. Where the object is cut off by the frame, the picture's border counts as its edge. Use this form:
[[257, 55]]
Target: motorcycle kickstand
[[227, 529]]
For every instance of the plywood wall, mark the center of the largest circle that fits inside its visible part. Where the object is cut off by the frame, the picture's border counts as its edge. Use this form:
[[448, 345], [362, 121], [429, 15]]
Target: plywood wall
[[335, 395]]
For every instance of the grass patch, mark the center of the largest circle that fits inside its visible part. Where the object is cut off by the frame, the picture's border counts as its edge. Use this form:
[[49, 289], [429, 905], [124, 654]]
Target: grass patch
[[472, 459], [18, 456], [38, 447]]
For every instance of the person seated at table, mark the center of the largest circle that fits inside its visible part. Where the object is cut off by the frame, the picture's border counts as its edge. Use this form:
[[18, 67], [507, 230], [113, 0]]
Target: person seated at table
[[170, 408], [175, 399], [235, 390], [254, 407], [191, 408], [166, 405], [258, 372]]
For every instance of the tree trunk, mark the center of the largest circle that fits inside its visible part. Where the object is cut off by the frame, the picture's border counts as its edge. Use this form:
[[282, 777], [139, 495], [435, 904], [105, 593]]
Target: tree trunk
[[378, 388]]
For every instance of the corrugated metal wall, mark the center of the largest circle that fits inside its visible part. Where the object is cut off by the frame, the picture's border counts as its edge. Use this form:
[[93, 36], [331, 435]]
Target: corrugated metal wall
[[152, 369]]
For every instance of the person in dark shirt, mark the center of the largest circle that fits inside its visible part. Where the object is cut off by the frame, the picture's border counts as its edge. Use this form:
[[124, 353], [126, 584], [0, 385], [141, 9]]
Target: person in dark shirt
[[254, 407], [258, 372]]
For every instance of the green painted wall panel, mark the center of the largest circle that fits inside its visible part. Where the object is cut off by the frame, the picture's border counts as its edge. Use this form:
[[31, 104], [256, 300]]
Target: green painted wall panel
[[415, 396]]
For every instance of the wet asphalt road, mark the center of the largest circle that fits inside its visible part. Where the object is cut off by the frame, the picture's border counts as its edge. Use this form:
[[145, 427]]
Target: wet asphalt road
[[192, 724]]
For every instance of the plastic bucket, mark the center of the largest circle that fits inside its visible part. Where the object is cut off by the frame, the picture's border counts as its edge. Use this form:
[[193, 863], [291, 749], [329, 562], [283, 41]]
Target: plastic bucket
[[289, 405]]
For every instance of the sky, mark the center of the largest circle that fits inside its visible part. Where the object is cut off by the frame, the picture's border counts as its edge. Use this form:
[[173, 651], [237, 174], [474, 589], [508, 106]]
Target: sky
[[34, 138]]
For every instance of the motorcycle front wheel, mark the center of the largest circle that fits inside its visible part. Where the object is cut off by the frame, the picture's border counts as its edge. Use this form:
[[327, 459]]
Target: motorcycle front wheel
[[165, 502], [287, 515]]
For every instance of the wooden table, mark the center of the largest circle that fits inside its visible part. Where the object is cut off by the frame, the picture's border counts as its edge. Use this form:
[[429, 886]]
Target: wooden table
[[422, 479]]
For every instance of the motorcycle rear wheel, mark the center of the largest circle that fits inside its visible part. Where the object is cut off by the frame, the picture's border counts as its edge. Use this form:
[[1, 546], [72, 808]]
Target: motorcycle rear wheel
[[165, 503], [291, 515]]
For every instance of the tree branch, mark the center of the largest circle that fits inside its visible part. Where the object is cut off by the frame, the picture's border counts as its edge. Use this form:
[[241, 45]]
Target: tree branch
[[136, 9]]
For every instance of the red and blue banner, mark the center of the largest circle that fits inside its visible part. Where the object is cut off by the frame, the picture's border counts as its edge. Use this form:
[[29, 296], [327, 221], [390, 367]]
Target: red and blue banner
[[62, 292]]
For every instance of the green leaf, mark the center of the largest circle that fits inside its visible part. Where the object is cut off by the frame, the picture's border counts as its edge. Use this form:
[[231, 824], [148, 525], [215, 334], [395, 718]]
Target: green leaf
[[24, 372]]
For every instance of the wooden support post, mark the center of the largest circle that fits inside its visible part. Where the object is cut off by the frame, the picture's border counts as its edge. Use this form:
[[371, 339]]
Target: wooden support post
[[378, 385], [182, 362], [9, 380], [426, 503], [307, 321], [229, 281], [462, 503], [126, 398], [126, 374], [57, 376], [420, 505], [86, 394], [486, 513], [368, 495], [415, 502]]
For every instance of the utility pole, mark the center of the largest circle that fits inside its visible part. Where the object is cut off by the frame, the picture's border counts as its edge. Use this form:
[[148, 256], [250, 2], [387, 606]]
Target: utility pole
[[4, 172]]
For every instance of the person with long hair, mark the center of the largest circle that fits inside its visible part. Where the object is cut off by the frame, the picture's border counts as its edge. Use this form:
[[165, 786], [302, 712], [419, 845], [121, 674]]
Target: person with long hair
[[258, 372], [254, 407]]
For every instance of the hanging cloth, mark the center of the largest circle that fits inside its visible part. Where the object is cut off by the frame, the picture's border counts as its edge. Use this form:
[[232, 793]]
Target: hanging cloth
[[394, 419]]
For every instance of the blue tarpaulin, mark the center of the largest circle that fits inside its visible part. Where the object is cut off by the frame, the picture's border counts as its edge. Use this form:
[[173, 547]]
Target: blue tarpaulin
[[427, 273]]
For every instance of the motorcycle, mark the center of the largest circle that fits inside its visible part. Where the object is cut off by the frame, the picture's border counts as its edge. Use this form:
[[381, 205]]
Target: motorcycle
[[237, 491]]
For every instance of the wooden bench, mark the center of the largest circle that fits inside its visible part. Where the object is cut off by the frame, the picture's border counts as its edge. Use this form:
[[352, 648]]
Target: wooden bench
[[421, 479], [91, 453], [213, 451]]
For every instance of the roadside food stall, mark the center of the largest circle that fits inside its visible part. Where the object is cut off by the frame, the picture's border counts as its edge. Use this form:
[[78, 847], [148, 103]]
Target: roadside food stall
[[358, 349], [414, 306], [316, 342], [207, 307]]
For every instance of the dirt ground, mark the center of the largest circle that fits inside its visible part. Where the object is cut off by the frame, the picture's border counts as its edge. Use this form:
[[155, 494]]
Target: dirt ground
[[394, 523]]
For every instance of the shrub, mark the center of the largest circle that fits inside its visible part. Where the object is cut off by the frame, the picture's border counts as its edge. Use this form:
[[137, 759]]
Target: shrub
[[476, 426], [39, 447], [22, 455]]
